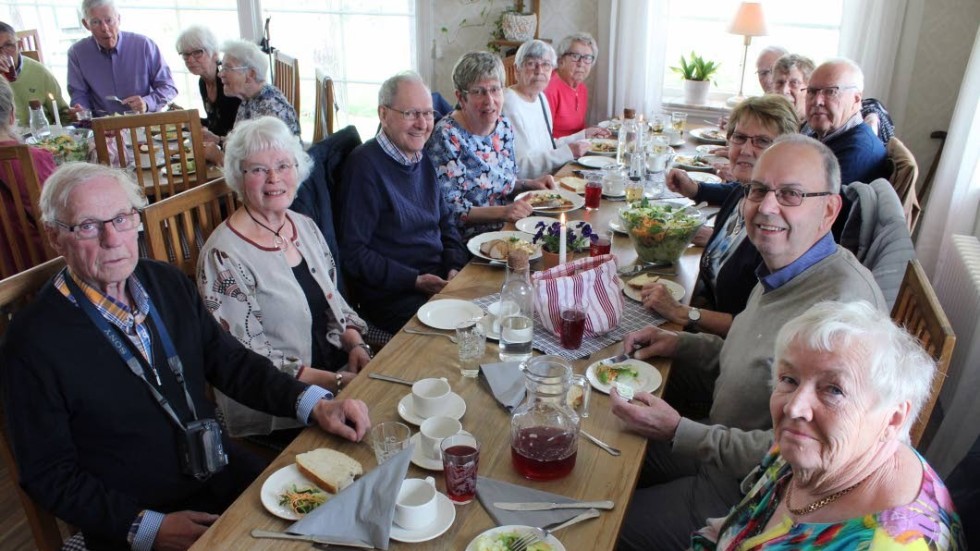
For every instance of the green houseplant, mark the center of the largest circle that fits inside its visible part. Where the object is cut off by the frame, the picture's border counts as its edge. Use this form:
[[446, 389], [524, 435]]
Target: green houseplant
[[697, 73]]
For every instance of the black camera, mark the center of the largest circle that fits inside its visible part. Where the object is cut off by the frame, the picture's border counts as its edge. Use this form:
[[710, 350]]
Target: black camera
[[201, 451]]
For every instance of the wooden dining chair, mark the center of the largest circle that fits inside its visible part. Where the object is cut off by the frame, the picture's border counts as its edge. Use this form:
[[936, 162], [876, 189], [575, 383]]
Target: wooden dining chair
[[16, 292], [178, 226], [510, 70], [33, 54], [22, 241], [166, 167], [917, 309], [30, 40], [286, 77], [325, 107], [905, 171]]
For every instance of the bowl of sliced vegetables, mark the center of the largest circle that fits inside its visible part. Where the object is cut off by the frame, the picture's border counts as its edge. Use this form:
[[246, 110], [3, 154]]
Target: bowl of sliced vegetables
[[73, 145], [660, 231]]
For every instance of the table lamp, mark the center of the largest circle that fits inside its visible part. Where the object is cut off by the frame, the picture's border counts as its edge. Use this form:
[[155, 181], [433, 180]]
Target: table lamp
[[748, 22]]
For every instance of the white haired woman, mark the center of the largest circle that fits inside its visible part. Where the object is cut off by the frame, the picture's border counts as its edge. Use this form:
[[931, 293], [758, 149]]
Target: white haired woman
[[198, 48], [529, 112], [567, 94], [473, 151], [267, 275], [848, 383], [244, 69]]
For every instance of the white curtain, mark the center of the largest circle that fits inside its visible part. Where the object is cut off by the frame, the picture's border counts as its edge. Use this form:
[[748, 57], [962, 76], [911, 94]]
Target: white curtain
[[632, 45], [952, 209], [881, 37]]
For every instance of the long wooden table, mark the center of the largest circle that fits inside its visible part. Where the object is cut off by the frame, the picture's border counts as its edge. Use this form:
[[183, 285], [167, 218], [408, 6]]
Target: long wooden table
[[597, 475]]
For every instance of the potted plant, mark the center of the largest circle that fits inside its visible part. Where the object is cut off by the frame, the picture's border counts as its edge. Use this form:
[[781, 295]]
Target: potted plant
[[697, 74], [549, 237]]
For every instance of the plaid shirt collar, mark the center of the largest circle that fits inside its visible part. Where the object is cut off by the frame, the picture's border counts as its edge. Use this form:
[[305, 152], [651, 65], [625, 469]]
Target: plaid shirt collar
[[385, 142]]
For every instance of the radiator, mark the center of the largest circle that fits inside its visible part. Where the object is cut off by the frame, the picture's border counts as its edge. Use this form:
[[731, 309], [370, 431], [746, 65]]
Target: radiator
[[957, 285]]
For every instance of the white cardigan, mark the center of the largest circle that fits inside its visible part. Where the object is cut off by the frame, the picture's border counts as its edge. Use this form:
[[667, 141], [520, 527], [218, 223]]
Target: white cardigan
[[532, 140]]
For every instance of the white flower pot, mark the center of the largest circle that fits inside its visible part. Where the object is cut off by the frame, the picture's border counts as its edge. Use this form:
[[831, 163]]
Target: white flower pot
[[696, 91], [519, 27]]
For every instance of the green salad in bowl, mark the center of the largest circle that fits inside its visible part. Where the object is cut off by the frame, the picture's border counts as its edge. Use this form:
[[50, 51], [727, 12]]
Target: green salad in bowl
[[73, 145], [660, 232]]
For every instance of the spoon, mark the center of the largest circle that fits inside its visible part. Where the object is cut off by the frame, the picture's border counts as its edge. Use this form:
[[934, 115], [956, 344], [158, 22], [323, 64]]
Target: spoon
[[600, 443], [115, 98], [433, 333]]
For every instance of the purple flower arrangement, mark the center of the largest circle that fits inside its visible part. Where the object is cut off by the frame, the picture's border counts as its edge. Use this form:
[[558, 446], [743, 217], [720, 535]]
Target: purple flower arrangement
[[549, 235]]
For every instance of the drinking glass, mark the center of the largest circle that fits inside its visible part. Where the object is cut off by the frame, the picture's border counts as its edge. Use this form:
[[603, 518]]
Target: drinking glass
[[572, 326], [600, 243], [634, 190], [460, 462], [471, 343], [388, 439], [593, 195], [678, 120], [657, 123]]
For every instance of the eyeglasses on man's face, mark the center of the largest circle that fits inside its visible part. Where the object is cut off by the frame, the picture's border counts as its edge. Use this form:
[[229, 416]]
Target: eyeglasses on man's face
[[414, 114], [225, 67], [108, 22], [91, 229], [794, 84], [259, 171], [761, 142], [484, 92], [786, 196], [196, 54], [535, 64], [584, 58], [9, 48], [829, 92]]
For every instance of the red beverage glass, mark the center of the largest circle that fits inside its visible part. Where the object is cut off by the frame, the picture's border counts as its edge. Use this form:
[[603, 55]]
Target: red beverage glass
[[460, 462], [11, 73], [593, 195], [544, 453], [600, 244], [572, 327]]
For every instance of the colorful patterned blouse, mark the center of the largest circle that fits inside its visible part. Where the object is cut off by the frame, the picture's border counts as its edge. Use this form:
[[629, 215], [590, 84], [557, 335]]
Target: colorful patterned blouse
[[473, 171], [269, 102], [929, 522]]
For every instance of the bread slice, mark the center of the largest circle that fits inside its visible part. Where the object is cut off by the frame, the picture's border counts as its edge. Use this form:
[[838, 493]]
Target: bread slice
[[639, 281], [331, 470], [573, 183]]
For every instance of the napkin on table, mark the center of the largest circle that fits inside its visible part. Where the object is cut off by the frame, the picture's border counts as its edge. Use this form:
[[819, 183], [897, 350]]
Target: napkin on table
[[490, 491], [362, 512], [506, 382]]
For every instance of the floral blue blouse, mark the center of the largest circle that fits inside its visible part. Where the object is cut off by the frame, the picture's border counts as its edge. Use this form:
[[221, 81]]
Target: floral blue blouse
[[269, 102], [473, 171]]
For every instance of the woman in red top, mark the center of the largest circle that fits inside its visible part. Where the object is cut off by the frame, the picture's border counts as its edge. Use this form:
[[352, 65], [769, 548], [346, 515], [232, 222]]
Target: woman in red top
[[567, 94]]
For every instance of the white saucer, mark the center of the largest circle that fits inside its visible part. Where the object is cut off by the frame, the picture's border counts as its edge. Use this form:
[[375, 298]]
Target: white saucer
[[455, 408], [420, 459], [445, 516], [492, 334]]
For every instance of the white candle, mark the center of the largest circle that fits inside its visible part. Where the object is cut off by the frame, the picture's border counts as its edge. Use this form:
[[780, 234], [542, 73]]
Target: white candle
[[562, 241], [54, 109]]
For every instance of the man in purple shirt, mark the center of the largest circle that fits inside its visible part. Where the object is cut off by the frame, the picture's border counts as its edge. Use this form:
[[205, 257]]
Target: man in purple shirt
[[114, 63]]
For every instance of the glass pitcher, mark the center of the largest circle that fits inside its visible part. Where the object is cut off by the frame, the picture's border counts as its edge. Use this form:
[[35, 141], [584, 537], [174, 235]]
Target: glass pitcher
[[544, 429]]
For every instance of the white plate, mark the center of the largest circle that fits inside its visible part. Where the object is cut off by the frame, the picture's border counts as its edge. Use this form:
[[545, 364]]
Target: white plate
[[612, 125], [422, 460], [614, 195], [527, 225], [447, 313], [704, 177], [552, 540], [594, 142], [687, 163], [277, 483], [648, 378], [708, 150], [177, 171], [676, 290], [474, 244], [455, 408], [488, 328], [592, 161], [709, 135], [445, 516], [679, 202], [673, 139], [575, 199], [615, 226]]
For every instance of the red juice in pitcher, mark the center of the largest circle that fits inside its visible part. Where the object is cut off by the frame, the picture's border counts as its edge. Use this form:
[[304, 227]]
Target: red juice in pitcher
[[544, 453]]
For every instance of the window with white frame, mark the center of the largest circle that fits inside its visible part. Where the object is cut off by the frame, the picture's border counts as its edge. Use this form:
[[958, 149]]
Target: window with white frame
[[701, 26]]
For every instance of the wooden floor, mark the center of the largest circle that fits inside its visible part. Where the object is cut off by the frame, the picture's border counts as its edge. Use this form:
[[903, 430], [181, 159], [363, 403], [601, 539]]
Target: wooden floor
[[15, 535]]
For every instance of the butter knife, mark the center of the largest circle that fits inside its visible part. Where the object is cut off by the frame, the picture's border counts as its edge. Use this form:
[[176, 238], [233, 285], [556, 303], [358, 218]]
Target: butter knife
[[390, 379], [546, 506], [269, 534]]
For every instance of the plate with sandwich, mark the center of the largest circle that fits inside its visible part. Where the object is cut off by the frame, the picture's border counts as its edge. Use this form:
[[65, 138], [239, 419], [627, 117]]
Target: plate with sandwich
[[496, 245], [552, 200], [638, 375], [573, 183], [635, 285], [294, 490], [603, 146], [709, 135]]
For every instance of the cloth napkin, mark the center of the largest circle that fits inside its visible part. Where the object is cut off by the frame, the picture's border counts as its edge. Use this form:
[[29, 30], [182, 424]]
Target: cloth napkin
[[362, 512], [489, 491], [506, 382]]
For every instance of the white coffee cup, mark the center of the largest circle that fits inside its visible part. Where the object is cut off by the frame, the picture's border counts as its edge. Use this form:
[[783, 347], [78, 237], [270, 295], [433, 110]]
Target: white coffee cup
[[429, 396], [433, 431], [416, 506], [499, 310]]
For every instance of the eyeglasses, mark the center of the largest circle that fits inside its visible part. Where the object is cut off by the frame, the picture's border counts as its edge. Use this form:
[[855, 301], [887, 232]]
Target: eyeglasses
[[10, 47], [414, 115], [484, 92], [224, 67], [762, 142], [830, 92], [109, 22], [193, 53], [584, 58], [764, 72], [794, 84], [786, 196], [264, 171], [91, 229], [535, 65]]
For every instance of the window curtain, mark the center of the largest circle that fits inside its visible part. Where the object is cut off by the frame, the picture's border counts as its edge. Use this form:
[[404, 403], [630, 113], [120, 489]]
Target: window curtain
[[632, 46], [952, 209]]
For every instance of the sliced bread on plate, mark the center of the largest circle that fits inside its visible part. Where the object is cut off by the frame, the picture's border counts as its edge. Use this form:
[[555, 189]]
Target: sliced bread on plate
[[329, 469]]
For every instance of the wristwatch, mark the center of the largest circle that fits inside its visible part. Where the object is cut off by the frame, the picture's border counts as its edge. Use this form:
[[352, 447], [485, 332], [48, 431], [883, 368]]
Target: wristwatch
[[367, 348], [693, 317]]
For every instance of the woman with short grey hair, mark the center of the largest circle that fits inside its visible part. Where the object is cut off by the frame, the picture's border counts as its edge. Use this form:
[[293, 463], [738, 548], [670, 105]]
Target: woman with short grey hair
[[567, 93], [268, 276], [243, 72], [528, 110], [198, 48], [472, 150]]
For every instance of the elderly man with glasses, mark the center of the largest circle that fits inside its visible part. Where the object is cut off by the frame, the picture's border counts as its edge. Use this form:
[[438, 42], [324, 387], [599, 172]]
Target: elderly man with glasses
[[115, 71], [28, 79], [694, 467], [567, 94], [400, 243]]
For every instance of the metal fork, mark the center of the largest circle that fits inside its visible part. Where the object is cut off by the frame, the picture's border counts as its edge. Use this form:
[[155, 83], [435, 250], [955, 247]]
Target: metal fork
[[420, 332], [542, 534]]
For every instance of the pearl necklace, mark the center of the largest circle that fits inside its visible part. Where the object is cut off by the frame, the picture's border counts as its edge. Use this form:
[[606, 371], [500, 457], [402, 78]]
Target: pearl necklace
[[820, 503], [279, 241]]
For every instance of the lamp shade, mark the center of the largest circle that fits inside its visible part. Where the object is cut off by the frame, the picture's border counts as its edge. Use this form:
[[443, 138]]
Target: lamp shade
[[749, 20]]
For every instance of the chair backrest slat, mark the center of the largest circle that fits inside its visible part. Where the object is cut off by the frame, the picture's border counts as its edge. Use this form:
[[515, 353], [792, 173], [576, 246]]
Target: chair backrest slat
[[30, 40], [286, 78], [326, 107], [22, 241]]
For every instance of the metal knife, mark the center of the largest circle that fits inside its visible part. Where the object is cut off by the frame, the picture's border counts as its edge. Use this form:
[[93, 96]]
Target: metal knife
[[256, 533], [545, 506], [390, 379]]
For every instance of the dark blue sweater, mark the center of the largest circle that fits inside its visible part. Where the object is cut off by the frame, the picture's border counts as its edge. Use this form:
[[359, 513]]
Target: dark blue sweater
[[861, 155]]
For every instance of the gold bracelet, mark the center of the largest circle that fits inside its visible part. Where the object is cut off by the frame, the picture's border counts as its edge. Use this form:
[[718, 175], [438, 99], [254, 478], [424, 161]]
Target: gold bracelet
[[339, 381]]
